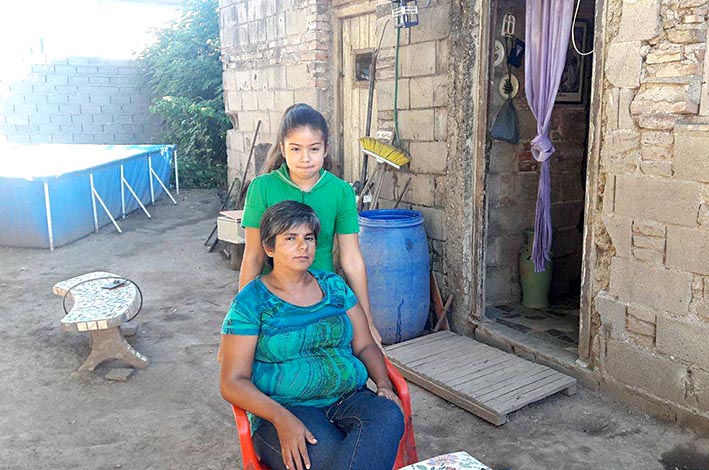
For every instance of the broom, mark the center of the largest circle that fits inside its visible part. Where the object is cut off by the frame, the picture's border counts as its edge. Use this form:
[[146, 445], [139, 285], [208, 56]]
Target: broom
[[384, 154]]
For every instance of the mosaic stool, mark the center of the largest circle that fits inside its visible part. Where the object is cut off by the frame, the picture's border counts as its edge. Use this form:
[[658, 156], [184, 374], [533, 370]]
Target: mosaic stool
[[101, 311], [454, 461]]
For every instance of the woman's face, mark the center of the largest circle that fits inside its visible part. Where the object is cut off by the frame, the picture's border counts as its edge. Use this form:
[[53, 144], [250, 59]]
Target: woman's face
[[304, 150], [293, 249]]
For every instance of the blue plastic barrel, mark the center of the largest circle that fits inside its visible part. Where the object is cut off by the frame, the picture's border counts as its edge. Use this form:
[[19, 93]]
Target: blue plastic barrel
[[395, 252]]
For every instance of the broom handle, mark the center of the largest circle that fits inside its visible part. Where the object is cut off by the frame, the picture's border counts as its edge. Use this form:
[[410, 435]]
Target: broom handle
[[378, 189]]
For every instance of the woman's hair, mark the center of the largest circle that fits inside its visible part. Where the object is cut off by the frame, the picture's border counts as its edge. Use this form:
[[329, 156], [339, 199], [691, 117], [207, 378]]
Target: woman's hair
[[297, 115], [281, 217]]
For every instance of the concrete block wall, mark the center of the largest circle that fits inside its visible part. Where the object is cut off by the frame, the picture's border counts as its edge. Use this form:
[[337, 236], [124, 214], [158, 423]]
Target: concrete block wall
[[275, 53], [513, 177], [422, 115], [78, 100], [652, 280]]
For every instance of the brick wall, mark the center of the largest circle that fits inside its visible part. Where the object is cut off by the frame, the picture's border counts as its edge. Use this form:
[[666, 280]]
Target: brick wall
[[652, 239], [275, 53], [513, 177], [422, 115], [78, 100]]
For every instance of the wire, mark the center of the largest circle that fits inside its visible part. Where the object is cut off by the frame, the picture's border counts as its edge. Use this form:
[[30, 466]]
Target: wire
[[396, 86], [573, 36], [140, 307]]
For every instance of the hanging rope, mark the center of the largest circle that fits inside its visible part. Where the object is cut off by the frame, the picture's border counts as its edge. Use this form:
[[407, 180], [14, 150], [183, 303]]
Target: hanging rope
[[573, 36]]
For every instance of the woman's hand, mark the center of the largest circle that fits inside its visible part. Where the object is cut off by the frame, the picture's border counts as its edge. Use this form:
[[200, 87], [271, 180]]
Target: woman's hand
[[389, 394], [292, 434]]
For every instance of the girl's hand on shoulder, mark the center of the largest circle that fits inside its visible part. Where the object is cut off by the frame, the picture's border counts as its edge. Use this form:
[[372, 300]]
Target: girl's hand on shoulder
[[390, 395], [293, 435]]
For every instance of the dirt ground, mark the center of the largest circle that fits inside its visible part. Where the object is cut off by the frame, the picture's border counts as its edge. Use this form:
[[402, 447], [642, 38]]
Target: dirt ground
[[171, 415]]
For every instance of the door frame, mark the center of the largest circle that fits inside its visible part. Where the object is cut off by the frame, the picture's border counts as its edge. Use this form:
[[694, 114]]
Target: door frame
[[342, 10], [592, 202]]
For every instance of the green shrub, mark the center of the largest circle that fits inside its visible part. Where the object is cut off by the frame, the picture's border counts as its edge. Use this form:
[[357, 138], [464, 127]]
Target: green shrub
[[184, 72]]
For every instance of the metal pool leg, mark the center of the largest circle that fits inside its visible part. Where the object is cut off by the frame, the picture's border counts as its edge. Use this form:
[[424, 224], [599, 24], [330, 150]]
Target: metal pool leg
[[49, 216], [94, 197], [153, 174]]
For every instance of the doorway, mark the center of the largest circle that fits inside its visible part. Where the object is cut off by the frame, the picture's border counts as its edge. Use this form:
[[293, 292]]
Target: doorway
[[512, 180]]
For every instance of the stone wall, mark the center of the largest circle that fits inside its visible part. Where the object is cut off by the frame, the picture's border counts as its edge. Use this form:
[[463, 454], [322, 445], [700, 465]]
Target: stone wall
[[513, 178], [422, 116], [78, 100], [275, 53], [651, 278]]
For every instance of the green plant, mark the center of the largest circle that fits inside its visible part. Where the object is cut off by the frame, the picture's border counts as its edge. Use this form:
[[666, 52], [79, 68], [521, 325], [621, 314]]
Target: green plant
[[184, 72]]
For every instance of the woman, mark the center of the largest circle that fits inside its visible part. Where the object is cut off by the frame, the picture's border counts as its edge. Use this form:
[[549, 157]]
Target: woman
[[296, 169], [297, 352]]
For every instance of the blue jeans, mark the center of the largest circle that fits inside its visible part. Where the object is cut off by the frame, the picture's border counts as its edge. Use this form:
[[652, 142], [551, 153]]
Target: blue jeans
[[359, 431]]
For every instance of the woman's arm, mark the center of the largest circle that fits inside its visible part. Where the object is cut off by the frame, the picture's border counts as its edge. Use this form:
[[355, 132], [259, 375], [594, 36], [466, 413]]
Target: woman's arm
[[252, 261], [237, 388], [367, 351], [352, 264]]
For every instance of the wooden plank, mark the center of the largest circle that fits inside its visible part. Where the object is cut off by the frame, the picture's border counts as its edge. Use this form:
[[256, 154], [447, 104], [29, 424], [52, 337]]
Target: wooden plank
[[518, 383], [530, 394], [453, 397], [514, 370], [482, 370], [421, 340], [447, 370], [434, 354]]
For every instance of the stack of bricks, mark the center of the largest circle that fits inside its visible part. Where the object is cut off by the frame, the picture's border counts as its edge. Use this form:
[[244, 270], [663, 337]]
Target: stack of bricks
[[79, 100], [275, 53], [422, 114], [654, 275]]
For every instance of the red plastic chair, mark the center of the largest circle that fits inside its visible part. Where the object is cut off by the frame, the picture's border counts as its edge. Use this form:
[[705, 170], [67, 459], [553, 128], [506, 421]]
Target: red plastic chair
[[407, 447]]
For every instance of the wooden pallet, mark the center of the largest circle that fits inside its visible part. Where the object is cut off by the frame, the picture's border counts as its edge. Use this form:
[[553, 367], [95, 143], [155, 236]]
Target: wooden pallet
[[476, 377]]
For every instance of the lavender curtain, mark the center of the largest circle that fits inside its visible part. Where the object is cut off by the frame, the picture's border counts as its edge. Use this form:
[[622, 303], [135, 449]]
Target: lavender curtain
[[548, 27]]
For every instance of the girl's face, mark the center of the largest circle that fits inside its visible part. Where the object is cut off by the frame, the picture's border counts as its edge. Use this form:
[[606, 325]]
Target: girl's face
[[293, 249], [304, 150]]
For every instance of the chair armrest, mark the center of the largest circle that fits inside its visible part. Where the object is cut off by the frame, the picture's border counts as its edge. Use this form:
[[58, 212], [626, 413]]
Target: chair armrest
[[400, 386], [248, 453]]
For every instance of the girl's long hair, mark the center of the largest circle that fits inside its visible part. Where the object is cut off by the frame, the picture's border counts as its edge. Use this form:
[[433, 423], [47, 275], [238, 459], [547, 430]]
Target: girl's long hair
[[297, 115]]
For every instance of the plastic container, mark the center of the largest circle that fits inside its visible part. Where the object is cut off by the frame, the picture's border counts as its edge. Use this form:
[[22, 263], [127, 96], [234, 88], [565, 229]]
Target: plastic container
[[395, 251]]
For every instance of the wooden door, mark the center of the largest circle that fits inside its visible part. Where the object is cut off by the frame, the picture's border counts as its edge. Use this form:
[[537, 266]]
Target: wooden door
[[358, 41]]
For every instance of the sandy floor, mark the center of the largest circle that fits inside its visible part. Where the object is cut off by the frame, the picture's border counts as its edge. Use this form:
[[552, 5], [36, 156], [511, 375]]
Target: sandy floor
[[171, 416]]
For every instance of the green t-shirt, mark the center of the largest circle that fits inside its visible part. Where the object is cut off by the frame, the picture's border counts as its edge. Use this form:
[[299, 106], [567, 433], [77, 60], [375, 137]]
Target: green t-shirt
[[303, 354], [332, 199]]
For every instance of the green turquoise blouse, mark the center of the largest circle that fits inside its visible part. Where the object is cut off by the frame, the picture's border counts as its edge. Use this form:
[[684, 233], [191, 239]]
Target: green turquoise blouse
[[303, 354]]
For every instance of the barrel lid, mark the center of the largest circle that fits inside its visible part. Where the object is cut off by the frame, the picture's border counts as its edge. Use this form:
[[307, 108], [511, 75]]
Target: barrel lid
[[390, 218]]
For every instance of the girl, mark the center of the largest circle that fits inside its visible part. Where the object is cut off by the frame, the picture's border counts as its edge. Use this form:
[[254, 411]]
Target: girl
[[297, 353], [296, 169]]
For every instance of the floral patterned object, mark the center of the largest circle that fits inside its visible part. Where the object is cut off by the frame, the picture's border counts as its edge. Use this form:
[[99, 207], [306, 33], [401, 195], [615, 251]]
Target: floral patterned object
[[454, 461]]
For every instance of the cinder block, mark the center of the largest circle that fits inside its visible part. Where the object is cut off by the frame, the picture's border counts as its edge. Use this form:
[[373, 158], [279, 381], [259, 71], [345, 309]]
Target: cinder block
[[417, 124], [434, 221], [80, 99], [297, 21], [282, 99], [78, 80], [429, 157], [619, 229], [684, 340], [434, 24], [69, 109], [421, 92], [297, 76], [120, 99], [688, 249], [421, 190], [440, 130], [81, 119], [699, 396], [652, 373], [654, 286], [60, 119], [56, 79], [15, 119], [612, 315], [418, 59], [120, 81], [662, 200], [385, 95], [690, 160]]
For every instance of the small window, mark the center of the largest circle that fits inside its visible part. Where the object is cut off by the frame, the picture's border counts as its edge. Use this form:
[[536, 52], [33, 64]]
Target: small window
[[362, 63]]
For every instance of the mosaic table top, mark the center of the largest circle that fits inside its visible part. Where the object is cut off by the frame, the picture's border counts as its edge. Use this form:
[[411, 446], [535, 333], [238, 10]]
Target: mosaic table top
[[94, 307], [453, 461]]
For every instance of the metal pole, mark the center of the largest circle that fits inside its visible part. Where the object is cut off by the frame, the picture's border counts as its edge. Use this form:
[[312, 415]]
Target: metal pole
[[93, 201], [49, 216], [177, 176], [150, 175], [123, 195]]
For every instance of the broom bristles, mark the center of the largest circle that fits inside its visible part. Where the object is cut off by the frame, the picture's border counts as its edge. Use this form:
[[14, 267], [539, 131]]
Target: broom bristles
[[384, 153]]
